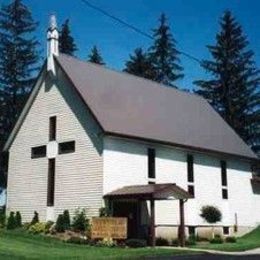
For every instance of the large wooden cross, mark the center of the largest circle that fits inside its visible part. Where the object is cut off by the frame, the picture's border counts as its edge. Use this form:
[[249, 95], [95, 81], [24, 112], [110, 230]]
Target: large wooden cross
[[51, 150]]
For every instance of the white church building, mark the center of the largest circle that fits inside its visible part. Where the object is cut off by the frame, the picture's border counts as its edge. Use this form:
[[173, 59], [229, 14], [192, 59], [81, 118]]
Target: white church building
[[89, 134]]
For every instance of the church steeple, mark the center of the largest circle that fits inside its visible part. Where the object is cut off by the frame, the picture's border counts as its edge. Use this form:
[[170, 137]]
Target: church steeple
[[52, 43]]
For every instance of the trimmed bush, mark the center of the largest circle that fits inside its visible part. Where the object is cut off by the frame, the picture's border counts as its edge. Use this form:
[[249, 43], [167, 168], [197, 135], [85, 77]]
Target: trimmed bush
[[60, 225], [11, 222], [217, 240], [104, 212], [2, 218], [175, 242], [66, 219], [106, 242], [231, 239], [135, 243], [35, 218], [18, 219], [191, 241], [37, 228], [77, 240], [80, 221], [160, 241]]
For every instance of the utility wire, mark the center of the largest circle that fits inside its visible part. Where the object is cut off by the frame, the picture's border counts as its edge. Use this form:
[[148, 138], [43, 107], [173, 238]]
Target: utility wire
[[132, 27]]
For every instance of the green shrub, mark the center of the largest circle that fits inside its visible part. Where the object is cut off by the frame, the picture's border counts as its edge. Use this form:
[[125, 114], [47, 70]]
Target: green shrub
[[106, 242], [231, 239], [35, 218], [202, 239], [11, 222], [48, 225], [2, 218], [217, 240], [77, 240], [175, 242], [26, 225], [60, 225], [160, 241], [135, 243], [18, 219], [66, 219], [37, 228], [211, 214], [80, 221], [104, 212], [191, 241]]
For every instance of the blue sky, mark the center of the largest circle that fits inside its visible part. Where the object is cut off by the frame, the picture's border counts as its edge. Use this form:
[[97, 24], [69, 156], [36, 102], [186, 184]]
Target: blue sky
[[194, 24]]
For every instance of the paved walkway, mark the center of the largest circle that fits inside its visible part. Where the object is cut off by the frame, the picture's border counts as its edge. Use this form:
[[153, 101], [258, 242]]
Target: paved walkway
[[255, 251]]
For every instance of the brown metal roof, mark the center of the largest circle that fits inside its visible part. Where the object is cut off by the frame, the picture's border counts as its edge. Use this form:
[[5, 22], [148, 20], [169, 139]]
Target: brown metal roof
[[150, 191], [134, 107]]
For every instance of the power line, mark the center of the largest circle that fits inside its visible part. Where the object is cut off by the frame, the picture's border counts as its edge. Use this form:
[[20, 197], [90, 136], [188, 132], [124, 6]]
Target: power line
[[132, 27]]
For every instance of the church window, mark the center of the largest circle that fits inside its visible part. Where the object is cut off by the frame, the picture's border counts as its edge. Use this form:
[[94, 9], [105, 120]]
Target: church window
[[52, 128], [67, 147], [51, 182], [151, 163], [38, 152], [190, 168]]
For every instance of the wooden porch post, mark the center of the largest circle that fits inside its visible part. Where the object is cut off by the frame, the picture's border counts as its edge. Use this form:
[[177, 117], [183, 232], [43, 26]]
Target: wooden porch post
[[182, 225], [152, 227]]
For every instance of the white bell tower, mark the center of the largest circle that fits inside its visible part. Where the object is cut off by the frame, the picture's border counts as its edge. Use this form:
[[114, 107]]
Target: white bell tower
[[52, 44]]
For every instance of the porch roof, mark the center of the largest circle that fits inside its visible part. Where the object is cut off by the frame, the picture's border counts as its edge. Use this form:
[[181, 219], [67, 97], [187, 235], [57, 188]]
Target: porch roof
[[150, 191]]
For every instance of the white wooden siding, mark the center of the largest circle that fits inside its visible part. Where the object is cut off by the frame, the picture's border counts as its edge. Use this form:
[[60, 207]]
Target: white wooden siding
[[78, 180], [125, 163]]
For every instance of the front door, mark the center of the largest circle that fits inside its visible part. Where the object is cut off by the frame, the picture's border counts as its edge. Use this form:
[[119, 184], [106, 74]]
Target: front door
[[129, 210]]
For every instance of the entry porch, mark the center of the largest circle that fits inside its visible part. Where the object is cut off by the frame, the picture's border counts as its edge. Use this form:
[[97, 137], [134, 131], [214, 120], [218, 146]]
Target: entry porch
[[137, 204]]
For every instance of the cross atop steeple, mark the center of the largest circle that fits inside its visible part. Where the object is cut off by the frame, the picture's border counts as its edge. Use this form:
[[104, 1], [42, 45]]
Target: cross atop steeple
[[52, 43]]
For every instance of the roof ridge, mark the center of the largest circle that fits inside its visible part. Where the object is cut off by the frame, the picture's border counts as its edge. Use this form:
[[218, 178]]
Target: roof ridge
[[155, 83]]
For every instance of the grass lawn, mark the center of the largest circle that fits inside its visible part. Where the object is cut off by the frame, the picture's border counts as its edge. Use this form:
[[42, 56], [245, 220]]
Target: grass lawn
[[20, 245], [247, 242]]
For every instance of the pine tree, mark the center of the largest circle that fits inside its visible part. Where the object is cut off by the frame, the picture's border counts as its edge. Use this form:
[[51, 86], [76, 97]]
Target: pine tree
[[66, 41], [18, 65], [140, 65], [95, 56], [164, 54], [18, 219], [233, 89]]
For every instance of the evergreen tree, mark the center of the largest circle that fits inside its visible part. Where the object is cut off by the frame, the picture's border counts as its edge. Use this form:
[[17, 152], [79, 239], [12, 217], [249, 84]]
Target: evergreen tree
[[11, 222], [95, 56], [35, 218], [164, 54], [140, 65], [66, 41], [66, 219], [18, 219], [18, 65], [233, 89]]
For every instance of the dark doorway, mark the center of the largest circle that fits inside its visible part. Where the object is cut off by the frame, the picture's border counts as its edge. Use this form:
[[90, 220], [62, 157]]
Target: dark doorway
[[131, 211]]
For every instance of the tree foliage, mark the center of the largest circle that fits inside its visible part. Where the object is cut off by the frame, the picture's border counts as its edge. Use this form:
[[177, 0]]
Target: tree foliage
[[18, 66], [35, 218], [66, 41], [211, 214], [233, 87], [140, 64], [164, 54], [11, 223], [95, 56]]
